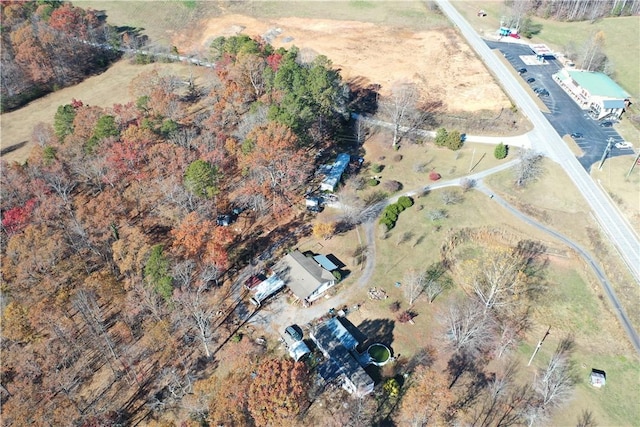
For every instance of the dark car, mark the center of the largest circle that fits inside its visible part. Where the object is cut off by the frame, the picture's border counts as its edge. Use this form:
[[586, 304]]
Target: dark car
[[522, 70], [576, 135], [606, 124], [294, 332], [314, 208], [531, 80], [543, 92]]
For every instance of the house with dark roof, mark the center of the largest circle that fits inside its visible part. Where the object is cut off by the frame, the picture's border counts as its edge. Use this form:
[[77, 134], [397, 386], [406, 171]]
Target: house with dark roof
[[342, 361], [305, 276], [595, 92]]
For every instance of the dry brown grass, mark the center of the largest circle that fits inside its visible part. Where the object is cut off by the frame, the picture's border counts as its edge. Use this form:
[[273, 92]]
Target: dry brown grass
[[103, 90]]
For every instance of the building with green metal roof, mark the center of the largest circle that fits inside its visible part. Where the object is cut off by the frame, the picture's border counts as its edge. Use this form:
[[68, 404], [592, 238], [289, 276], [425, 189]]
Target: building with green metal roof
[[595, 92]]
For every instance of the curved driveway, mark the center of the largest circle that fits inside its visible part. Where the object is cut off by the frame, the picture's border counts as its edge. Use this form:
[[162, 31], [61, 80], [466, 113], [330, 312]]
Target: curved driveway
[[545, 139]]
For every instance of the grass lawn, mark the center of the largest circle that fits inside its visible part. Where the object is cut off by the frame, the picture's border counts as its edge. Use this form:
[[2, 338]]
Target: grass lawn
[[553, 201]]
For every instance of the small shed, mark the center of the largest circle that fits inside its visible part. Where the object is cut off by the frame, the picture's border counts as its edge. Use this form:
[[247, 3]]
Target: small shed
[[598, 378]]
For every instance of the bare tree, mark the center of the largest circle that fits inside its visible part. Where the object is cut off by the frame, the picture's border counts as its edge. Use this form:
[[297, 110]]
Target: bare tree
[[593, 57], [451, 197], [555, 383], [183, 273], [437, 214], [360, 129], [529, 168], [404, 237], [586, 419], [469, 327], [401, 106], [467, 184], [413, 285], [436, 281], [199, 313]]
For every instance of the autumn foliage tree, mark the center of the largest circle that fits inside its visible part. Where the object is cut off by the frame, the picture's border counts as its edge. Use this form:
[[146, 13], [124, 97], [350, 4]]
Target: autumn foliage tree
[[427, 400], [278, 393]]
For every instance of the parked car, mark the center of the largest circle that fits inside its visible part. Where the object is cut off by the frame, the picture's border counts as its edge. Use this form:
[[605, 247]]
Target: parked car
[[531, 80], [514, 35], [316, 208], [606, 124], [623, 145], [522, 70], [543, 92], [294, 332], [576, 135]]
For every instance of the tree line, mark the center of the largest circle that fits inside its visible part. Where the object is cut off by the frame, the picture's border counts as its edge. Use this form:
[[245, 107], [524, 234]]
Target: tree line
[[50, 44], [575, 10]]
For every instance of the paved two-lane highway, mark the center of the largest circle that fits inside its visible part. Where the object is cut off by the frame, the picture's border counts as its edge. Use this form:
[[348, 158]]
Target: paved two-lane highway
[[545, 139]]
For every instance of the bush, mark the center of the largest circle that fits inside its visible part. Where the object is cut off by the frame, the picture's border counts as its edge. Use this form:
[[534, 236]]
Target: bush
[[405, 201], [441, 137], [406, 316], [434, 176], [376, 168], [397, 157], [337, 274], [501, 151], [236, 338], [392, 186], [454, 140], [394, 306], [373, 182]]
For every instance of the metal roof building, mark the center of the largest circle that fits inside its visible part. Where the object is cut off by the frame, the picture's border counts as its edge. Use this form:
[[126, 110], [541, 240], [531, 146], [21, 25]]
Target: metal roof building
[[595, 92]]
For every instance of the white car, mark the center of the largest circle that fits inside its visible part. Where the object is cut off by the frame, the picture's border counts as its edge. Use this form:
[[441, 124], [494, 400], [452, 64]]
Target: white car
[[623, 145]]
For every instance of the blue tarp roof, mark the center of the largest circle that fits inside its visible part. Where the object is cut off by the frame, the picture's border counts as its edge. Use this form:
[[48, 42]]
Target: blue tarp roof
[[325, 262]]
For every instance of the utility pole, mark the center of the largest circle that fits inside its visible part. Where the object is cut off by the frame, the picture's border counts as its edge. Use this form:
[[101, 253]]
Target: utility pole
[[635, 161], [539, 345], [606, 152]]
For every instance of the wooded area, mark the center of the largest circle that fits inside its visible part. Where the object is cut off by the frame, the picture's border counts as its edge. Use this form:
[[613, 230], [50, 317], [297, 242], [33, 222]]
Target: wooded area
[[575, 10], [47, 45], [112, 261]]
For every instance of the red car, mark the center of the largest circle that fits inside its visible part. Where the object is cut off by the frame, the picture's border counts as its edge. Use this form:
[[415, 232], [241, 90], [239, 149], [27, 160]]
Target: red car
[[514, 35]]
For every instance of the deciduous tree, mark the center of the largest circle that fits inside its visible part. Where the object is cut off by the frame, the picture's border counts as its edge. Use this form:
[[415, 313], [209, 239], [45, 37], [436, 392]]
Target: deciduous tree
[[427, 399], [278, 393]]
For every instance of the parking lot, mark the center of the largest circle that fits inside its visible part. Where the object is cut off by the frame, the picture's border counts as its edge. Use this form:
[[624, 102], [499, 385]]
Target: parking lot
[[565, 115]]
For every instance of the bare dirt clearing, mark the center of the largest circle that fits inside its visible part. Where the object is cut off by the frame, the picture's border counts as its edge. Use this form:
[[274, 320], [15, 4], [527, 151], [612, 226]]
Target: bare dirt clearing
[[438, 60]]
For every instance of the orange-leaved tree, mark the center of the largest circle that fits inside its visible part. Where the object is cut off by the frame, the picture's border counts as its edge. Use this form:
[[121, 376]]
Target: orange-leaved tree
[[278, 393]]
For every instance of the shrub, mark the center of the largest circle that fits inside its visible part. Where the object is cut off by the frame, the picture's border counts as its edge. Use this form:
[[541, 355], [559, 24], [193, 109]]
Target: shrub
[[337, 274], [394, 306], [405, 201], [441, 137], [236, 338], [373, 182], [434, 176], [406, 316], [501, 151], [376, 168], [392, 186], [454, 140], [397, 157]]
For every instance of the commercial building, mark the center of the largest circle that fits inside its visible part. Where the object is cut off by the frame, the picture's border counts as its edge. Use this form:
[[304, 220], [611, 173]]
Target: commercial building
[[594, 92]]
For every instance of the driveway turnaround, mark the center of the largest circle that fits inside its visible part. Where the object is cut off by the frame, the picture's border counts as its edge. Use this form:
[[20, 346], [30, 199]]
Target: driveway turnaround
[[545, 139]]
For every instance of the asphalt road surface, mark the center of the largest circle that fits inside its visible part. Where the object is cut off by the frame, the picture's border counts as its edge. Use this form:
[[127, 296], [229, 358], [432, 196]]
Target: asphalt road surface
[[545, 139]]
